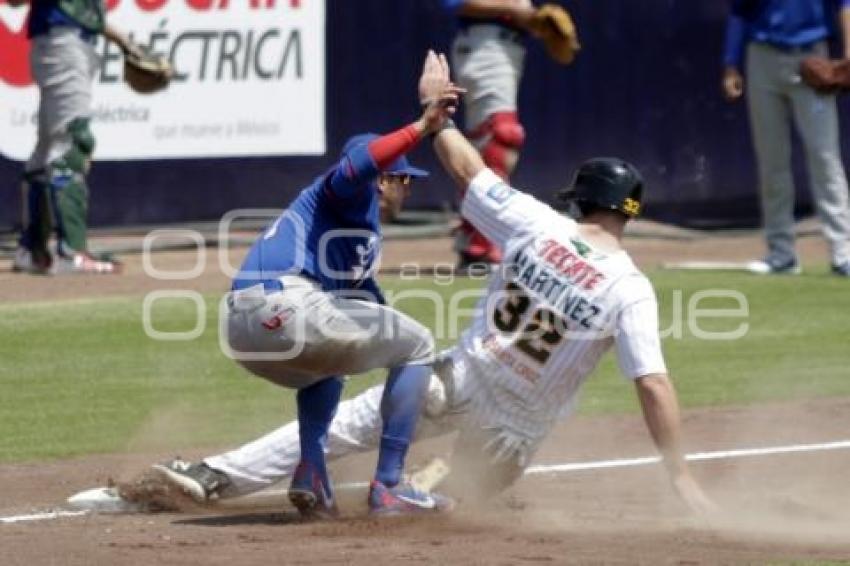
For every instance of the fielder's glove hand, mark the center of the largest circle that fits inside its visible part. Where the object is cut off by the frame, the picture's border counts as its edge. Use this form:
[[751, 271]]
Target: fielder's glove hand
[[506, 445], [825, 75], [553, 25], [144, 72]]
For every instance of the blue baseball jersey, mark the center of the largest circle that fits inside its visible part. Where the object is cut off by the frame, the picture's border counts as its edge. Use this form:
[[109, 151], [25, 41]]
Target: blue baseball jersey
[[782, 23], [331, 232]]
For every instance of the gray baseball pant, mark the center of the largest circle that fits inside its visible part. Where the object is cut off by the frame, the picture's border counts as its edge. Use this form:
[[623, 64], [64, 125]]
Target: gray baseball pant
[[488, 63], [776, 96], [63, 66], [302, 334]]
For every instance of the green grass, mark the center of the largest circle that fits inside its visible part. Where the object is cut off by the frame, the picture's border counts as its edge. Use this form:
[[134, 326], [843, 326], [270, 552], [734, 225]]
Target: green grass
[[81, 377]]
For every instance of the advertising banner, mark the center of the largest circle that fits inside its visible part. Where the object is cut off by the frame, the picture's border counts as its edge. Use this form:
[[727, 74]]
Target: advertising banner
[[249, 81]]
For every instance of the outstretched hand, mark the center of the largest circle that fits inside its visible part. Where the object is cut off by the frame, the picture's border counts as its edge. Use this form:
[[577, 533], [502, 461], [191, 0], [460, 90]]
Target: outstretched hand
[[694, 497], [438, 95]]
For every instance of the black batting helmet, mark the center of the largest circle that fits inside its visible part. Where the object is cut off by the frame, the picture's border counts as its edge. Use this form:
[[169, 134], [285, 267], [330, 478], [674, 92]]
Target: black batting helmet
[[608, 183]]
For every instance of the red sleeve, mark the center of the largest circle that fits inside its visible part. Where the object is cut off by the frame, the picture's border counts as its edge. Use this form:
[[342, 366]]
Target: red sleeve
[[390, 147]]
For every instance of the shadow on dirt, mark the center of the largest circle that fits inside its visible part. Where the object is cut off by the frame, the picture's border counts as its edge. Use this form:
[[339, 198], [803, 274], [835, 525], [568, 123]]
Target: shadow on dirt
[[243, 520]]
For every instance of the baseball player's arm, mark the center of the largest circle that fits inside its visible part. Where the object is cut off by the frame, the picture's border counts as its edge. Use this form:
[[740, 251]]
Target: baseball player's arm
[[733, 55], [365, 162], [845, 26], [119, 38], [661, 413], [518, 12], [493, 207], [640, 358], [459, 158]]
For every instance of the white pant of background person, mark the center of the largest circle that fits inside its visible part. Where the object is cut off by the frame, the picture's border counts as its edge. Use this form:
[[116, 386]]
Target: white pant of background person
[[63, 65], [302, 334], [357, 428], [487, 60], [776, 95]]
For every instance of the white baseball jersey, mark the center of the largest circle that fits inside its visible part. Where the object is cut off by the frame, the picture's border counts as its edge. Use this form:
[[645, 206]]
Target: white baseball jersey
[[552, 309]]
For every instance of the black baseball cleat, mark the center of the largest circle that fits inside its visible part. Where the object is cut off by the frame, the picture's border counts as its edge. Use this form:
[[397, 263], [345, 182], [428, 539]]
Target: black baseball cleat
[[28, 262], [198, 481]]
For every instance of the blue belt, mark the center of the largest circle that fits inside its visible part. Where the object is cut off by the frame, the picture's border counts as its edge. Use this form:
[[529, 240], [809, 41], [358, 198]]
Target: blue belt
[[271, 283]]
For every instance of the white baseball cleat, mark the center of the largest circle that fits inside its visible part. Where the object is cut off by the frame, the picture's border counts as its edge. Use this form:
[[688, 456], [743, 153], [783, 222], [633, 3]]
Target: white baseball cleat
[[772, 266], [80, 262]]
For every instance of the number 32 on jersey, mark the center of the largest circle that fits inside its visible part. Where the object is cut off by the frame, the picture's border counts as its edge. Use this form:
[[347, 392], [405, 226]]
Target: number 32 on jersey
[[537, 336]]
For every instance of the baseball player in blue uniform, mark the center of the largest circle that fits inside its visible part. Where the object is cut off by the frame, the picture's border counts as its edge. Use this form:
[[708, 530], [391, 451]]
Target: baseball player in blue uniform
[[770, 38], [305, 310]]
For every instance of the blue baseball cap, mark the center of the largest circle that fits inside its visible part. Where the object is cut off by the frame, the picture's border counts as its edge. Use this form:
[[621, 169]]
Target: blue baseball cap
[[400, 166]]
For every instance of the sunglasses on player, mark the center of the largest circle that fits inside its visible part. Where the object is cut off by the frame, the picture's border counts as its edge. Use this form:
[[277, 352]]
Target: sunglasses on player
[[402, 179]]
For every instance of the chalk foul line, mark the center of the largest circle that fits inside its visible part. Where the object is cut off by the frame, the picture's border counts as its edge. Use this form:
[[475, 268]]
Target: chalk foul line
[[696, 457]]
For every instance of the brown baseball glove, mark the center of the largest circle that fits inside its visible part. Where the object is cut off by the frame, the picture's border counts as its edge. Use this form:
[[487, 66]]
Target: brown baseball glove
[[144, 72], [553, 25], [826, 75]]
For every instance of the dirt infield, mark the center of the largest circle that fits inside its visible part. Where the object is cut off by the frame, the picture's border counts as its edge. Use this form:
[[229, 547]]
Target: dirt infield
[[780, 507]]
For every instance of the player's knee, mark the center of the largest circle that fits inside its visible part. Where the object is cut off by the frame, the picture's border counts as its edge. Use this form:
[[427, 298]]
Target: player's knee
[[423, 349], [507, 130], [427, 349], [81, 135], [500, 139], [77, 158]]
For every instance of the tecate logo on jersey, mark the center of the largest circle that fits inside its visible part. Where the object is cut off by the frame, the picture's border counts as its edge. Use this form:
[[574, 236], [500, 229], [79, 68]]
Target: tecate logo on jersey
[[15, 47]]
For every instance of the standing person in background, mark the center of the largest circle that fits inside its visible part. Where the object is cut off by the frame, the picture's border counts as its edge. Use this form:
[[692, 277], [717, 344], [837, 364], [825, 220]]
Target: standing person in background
[[770, 38], [488, 56], [64, 63]]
